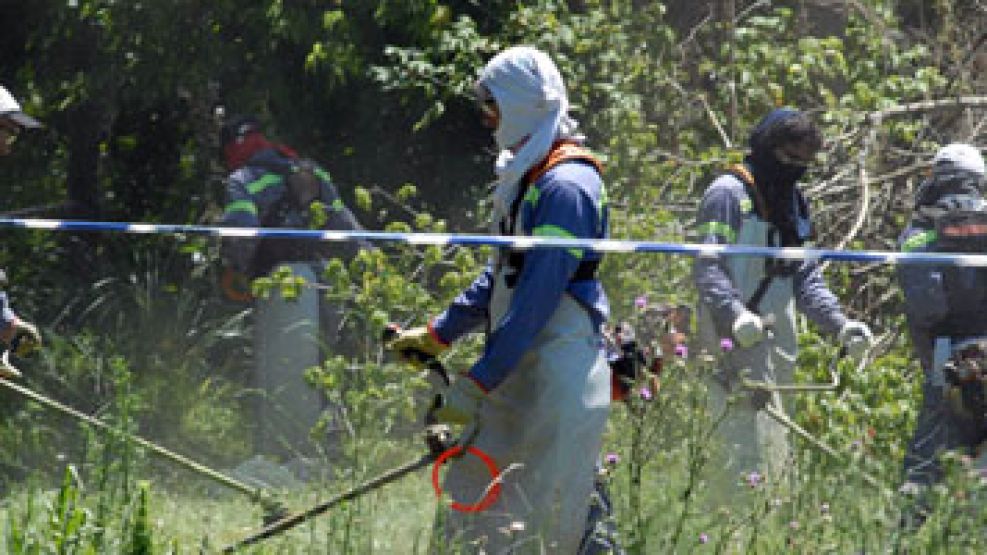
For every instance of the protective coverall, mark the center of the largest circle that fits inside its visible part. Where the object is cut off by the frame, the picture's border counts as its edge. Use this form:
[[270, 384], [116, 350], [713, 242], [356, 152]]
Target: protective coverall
[[751, 441], [543, 369]]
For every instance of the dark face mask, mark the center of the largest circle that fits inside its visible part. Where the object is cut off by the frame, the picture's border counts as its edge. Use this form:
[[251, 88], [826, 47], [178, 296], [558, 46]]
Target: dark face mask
[[777, 181], [774, 177], [776, 167]]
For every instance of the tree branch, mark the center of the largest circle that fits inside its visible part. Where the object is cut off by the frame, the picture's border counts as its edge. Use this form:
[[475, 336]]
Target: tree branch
[[926, 105]]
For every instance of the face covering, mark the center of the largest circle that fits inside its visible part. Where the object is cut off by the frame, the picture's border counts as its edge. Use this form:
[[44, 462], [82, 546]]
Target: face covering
[[776, 181], [770, 173], [533, 105]]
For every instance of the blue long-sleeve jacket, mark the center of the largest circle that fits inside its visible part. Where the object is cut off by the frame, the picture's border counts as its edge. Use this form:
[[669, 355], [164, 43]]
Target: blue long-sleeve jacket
[[567, 201], [255, 197], [925, 297]]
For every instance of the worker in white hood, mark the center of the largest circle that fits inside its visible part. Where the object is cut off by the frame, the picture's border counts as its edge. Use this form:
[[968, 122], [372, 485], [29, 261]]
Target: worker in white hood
[[540, 393]]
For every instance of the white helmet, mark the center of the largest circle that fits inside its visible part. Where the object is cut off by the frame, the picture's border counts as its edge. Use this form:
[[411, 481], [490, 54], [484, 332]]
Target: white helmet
[[959, 156], [10, 108]]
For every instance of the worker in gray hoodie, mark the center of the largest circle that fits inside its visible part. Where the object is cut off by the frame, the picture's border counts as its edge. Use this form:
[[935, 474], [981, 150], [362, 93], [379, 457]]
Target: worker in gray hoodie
[[752, 300]]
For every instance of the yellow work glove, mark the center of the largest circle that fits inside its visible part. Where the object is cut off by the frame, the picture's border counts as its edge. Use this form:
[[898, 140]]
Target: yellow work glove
[[416, 345], [460, 402]]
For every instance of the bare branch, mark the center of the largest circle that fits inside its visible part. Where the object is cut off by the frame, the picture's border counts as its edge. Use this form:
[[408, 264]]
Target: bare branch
[[716, 122], [925, 105]]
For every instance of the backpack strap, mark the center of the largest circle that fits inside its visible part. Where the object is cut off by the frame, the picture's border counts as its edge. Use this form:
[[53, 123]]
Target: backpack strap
[[962, 231]]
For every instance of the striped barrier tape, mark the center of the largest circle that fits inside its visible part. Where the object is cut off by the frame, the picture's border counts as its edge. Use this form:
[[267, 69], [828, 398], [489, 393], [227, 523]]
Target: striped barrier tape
[[515, 242]]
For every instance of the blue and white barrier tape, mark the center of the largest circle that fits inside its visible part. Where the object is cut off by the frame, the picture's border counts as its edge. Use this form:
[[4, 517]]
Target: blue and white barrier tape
[[522, 243]]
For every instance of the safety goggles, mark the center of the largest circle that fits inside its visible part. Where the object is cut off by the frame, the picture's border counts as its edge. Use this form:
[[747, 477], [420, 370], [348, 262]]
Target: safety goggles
[[792, 158], [485, 102]]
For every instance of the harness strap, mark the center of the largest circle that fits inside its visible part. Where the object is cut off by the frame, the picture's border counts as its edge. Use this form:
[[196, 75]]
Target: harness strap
[[562, 151], [771, 270], [754, 303], [586, 271]]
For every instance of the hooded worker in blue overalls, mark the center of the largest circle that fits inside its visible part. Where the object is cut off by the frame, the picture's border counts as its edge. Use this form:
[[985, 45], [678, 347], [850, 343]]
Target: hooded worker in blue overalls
[[752, 300], [946, 309], [540, 393]]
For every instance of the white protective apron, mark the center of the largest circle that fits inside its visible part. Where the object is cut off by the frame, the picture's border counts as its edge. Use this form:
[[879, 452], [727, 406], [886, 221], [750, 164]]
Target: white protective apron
[[288, 340], [749, 439], [543, 427]]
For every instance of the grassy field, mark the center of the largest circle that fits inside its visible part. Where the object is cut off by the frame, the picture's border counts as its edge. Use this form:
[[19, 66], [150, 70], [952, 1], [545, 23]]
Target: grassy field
[[35, 519], [661, 509]]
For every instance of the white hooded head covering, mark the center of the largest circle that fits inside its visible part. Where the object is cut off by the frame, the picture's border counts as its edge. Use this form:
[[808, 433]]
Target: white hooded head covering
[[533, 104]]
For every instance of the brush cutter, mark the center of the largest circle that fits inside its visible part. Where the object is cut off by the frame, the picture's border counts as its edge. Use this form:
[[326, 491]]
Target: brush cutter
[[437, 437], [438, 440], [779, 416], [273, 509]]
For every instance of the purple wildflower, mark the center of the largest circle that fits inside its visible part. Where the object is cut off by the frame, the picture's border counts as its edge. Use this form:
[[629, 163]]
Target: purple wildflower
[[645, 394], [726, 344], [641, 301], [703, 538], [612, 458], [681, 350], [754, 479]]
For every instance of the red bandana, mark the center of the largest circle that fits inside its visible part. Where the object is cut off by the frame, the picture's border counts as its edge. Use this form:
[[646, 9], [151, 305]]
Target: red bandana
[[238, 152]]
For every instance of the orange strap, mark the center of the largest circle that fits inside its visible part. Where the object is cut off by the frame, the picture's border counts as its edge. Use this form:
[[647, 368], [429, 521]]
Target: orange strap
[[747, 177], [562, 151]]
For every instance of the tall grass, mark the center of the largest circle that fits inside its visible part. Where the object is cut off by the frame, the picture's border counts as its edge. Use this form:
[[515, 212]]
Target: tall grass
[[111, 503]]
